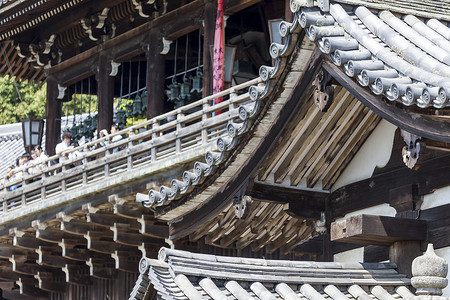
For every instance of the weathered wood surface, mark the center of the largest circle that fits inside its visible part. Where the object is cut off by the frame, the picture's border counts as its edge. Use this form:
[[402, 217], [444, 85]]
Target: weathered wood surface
[[160, 148], [423, 126], [301, 203], [378, 230], [438, 225], [432, 175], [214, 199]]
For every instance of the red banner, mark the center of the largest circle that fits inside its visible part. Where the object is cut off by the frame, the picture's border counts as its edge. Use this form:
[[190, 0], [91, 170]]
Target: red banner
[[219, 48]]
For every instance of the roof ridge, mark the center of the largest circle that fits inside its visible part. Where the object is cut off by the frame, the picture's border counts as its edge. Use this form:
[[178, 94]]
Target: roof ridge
[[166, 253]]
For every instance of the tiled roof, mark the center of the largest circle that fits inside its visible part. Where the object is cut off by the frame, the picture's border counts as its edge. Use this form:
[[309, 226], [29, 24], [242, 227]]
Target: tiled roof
[[248, 114], [11, 143], [184, 275], [405, 59], [407, 62]]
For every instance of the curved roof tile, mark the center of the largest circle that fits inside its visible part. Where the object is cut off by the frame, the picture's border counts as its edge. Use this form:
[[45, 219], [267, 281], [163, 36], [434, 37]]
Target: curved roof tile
[[248, 113], [406, 61], [182, 275], [381, 52]]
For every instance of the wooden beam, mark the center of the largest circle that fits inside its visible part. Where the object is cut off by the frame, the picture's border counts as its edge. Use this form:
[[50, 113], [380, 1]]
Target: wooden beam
[[315, 244], [53, 117], [97, 269], [28, 287], [7, 250], [105, 94], [108, 220], [154, 230], [133, 239], [438, 225], [378, 230], [301, 203], [432, 174], [208, 39], [412, 122], [79, 227], [29, 242], [47, 283], [156, 66], [125, 261], [217, 203], [233, 6], [16, 295], [53, 235], [8, 274], [75, 275], [78, 254]]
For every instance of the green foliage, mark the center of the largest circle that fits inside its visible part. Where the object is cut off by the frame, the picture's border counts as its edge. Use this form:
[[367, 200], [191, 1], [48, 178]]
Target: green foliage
[[33, 100], [83, 104]]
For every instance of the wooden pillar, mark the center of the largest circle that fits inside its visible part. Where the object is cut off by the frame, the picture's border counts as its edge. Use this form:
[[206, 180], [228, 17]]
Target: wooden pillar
[[105, 94], [209, 23], [53, 117], [288, 15], [156, 73], [402, 253]]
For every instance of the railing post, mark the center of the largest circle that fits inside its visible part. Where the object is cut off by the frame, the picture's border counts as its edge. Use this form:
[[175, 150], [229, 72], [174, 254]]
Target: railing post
[[63, 180], [179, 126], [232, 105], [155, 126], [43, 177], [204, 118], [5, 190], [24, 198], [106, 168], [130, 145], [85, 150]]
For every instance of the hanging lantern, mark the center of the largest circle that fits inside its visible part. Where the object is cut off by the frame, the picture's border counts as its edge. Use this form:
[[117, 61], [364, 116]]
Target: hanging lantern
[[137, 106], [197, 82], [185, 88], [74, 132], [120, 116], [174, 90], [144, 99], [32, 131]]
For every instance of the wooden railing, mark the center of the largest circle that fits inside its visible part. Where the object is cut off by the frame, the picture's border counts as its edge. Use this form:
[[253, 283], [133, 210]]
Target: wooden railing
[[190, 128]]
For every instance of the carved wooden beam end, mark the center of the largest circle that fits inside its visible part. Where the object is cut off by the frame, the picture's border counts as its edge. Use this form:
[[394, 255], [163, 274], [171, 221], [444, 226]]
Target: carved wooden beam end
[[324, 92], [411, 152], [241, 205], [378, 230]]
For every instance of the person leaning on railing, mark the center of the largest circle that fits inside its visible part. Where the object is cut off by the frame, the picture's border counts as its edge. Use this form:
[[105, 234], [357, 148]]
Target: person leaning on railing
[[38, 160], [64, 145], [115, 128]]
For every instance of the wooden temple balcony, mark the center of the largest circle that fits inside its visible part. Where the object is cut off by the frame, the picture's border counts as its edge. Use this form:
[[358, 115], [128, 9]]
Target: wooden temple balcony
[[152, 152]]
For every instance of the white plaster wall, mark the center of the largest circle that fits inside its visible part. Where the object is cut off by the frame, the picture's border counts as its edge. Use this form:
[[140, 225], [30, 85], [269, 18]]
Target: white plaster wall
[[355, 255], [379, 210], [445, 253], [439, 197], [375, 152]]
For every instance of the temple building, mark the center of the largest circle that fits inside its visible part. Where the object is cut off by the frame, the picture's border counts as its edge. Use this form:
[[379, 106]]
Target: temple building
[[320, 170]]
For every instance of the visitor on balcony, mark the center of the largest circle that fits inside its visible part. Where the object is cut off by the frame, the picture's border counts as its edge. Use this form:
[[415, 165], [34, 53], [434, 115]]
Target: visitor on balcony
[[10, 176], [76, 155], [22, 165], [64, 146], [103, 133], [114, 129], [38, 157]]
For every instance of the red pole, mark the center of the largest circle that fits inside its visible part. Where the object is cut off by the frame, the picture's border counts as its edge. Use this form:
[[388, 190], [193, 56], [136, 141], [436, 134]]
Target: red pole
[[219, 48]]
